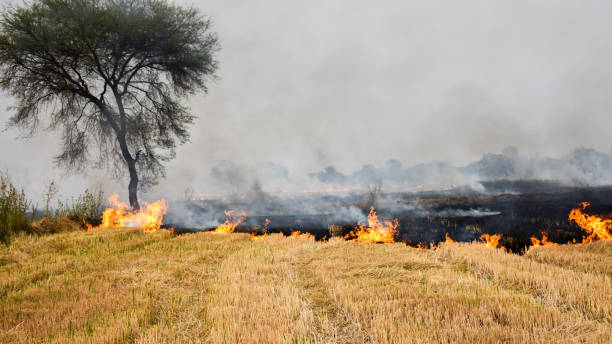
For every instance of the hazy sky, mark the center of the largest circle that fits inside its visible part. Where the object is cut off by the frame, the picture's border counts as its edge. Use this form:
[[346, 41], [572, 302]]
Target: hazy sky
[[307, 84]]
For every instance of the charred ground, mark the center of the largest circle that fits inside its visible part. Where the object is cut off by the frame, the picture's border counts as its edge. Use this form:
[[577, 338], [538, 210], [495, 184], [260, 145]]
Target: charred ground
[[518, 210]]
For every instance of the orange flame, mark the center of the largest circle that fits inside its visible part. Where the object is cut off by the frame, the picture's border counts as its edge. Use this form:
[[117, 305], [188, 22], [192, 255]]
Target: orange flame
[[596, 227], [427, 246], [256, 237], [298, 234], [491, 240], [230, 223], [150, 219], [449, 240], [544, 242], [376, 231]]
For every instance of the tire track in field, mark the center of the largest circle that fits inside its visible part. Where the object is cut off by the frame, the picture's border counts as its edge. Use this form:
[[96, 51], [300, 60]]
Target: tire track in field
[[331, 322]]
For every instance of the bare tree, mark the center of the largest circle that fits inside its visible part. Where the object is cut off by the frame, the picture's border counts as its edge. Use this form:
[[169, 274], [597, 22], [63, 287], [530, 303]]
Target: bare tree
[[110, 74], [50, 191]]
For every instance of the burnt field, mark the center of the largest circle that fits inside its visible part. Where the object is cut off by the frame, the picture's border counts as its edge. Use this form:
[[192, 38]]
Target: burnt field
[[517, 210]]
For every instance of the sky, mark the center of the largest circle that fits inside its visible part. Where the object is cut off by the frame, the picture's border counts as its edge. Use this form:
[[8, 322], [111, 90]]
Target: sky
[[307, 84]]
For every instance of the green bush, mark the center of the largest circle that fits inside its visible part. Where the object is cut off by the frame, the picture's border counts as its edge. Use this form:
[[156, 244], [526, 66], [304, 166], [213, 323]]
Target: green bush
[[13, 210], [87, 207]]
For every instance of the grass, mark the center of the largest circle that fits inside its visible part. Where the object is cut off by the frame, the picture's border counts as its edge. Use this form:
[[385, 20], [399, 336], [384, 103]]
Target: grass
[[124, 286], [70, 215], [13, 209]]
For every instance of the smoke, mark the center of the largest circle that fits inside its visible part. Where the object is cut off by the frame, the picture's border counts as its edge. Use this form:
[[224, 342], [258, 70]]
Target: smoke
[[334, 197], [466, 213], [328, 91], [582, 167]]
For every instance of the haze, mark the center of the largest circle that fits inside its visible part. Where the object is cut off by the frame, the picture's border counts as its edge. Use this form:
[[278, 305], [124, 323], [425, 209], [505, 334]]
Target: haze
[[311, 84]]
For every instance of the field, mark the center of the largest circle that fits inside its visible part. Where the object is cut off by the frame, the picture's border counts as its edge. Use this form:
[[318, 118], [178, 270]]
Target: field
[[122, 285]]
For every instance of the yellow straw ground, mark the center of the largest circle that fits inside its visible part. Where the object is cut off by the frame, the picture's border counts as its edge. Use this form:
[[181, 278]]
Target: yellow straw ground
[[120, 285]]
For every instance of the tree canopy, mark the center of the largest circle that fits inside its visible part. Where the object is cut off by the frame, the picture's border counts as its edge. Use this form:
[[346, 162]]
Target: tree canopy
[[111, 75]]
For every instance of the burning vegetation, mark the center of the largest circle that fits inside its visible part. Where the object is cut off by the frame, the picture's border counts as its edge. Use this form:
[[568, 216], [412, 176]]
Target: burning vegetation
[[593, 227], [448, 239], [596, 227], [149, 218], [542, 242], [298, 234], [376, 231], [230, 224], [256, 236], [491, 240]]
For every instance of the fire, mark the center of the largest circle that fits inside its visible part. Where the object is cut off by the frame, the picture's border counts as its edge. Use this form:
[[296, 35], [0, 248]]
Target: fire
[[149, 219], [544, 242], [230, 223], [256, 237], [427, 246], [596, 227], [298, 234], [491, 240], [376, 231], [449, 240]]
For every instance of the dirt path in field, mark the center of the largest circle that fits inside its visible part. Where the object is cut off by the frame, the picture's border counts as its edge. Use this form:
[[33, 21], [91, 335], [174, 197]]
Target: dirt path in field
[[331, 322]]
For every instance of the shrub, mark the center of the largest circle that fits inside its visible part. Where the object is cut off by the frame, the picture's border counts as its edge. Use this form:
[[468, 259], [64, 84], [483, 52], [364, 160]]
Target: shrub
[[13, 210], [87, 207]]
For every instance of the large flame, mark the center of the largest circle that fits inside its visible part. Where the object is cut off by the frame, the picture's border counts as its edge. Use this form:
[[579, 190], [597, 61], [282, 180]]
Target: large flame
[[230, 223], [376, 231], [596, 227], [149, 219], [491, 240]]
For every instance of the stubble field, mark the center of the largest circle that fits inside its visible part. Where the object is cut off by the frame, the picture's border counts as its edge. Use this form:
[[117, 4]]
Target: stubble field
[[125, 286]]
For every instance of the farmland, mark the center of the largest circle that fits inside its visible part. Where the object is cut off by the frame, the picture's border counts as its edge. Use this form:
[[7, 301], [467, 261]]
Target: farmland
[[123, 285]]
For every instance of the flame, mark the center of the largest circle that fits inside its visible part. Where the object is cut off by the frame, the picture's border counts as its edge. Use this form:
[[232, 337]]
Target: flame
[[256, 237], [544, 242], [149, 219], [596, 227], [426, 246], [298, 234], [491, 240], [449, 240], [230, 223], [376, 231]]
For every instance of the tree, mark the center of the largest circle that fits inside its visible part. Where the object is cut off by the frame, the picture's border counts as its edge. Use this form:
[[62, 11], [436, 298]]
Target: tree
[[111, 75]]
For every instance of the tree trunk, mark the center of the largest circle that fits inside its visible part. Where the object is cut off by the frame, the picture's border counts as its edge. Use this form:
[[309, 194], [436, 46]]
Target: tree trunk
[[125, 152], [133, 187], [131, 163]]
